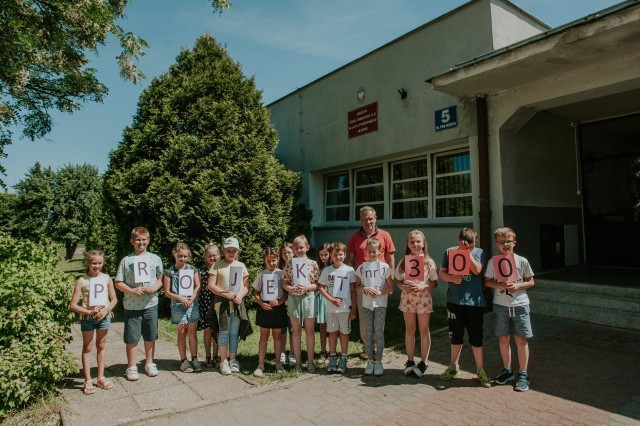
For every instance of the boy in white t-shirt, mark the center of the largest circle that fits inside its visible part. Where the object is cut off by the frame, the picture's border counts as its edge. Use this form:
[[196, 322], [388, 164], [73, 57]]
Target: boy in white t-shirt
[[374, 279], [510, 304], [337, 284]]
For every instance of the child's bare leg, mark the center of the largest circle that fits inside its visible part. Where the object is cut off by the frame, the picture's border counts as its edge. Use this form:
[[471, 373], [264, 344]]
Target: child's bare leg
[[208, 340], [333, 342], [344, 344], [309, 329], [277, 343], [323, 337], [505, 350], [132, 348], [87, 343], [182, 341], [455, 354], [262, 345], [149, 351], [409, 334], [101, 343], [478, 356], [425, 336], [523, 352], [224, 352], [193, 338], [296, 339]]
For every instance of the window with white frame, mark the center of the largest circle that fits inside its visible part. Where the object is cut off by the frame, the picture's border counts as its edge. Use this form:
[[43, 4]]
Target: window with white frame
[[453, 185], [337, 199], [369, 190], [432, 186], [410, 189]]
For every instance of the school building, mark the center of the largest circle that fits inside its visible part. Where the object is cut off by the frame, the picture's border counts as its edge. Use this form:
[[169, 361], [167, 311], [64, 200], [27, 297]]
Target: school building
[[483, 117]]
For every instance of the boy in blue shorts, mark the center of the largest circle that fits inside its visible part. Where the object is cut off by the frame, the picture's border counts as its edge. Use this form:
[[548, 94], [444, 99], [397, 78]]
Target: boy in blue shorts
[[511, 305], [465, 306], [139, 277]]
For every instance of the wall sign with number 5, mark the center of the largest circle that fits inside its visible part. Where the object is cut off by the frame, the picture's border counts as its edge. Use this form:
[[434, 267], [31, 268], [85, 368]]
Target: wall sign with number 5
[[446, 118]]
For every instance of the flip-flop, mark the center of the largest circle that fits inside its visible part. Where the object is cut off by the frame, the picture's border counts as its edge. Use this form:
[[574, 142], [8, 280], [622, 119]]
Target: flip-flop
[[216, 362], [88, 388], [103, 383]]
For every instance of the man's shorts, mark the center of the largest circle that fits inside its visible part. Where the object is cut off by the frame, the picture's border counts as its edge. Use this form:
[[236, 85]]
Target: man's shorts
[[93, 324], [513, 319], [338, 322], [141, 323]]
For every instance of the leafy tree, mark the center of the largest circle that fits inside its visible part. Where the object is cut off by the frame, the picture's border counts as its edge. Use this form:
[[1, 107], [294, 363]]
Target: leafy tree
[[7, 209], [34, 322], [43, 59], [34, 200], [197, 163], [76, 193]]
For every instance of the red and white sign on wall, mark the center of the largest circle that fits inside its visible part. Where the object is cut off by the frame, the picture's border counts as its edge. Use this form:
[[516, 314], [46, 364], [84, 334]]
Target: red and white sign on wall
[[363, 120]]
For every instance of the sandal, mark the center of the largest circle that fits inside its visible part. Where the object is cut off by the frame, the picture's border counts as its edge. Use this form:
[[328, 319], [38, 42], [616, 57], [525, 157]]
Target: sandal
[[216, 361], [88, 388], [208, 363], [103, 383]]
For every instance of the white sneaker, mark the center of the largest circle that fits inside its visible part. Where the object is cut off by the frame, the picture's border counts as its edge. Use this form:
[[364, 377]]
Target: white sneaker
[[368, 370], [225, 369], [235, 366], [258, 371], [377, 368], [132, 374], [283, 358], [151, 370]]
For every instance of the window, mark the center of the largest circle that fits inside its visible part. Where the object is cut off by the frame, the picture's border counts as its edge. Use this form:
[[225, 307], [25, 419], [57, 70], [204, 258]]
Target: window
[[410, 189], [337, 197], [433, 186], [453, 185]]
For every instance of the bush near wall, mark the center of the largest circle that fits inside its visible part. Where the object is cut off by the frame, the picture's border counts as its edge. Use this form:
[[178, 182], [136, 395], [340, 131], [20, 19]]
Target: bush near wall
[[34, 322]]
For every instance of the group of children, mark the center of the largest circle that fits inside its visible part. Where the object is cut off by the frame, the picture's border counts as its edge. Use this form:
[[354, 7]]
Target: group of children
[[295, 293]]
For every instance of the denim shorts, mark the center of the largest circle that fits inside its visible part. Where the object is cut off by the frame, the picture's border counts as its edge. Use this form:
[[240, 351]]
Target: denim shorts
[[182, 315], [140, 323], [93, 324], [516, 319]]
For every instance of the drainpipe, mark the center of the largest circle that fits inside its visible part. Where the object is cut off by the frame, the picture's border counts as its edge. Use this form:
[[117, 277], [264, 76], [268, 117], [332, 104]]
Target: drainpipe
[[482, 124]]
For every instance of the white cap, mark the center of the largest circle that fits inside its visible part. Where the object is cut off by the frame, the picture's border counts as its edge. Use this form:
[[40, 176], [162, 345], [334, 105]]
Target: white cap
[[231, 243]]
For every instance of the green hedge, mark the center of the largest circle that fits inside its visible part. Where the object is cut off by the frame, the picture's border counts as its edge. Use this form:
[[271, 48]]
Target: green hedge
[[34, 322]]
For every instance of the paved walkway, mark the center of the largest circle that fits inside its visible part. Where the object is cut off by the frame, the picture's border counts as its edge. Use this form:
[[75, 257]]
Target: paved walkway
[[581, 374]]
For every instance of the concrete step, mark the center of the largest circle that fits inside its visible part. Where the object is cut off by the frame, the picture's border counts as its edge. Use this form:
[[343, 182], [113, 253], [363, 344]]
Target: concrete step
[[602, 316], [616, 306]]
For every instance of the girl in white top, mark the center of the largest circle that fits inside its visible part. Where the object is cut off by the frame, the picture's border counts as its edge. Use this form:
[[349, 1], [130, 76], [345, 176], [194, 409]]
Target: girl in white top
[[416, 303], [93, 318]]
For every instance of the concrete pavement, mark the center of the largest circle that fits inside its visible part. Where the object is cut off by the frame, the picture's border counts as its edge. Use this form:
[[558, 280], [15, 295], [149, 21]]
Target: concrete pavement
[[580, 374]]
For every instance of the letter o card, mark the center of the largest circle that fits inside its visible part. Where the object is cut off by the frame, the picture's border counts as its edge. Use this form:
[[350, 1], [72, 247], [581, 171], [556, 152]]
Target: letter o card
[[235, 279], [341, 287], [185, 282], [504, 266], [300, 271], [459, 262], [98, 291], [413, 268], [269, 290]]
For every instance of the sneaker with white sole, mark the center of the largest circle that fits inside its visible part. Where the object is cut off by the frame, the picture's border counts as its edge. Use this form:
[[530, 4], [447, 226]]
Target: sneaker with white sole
[[259, 372], [292, 361], [132, 374], [333, 364], [225, 369], [368, 370], [484, 379], [283, 358], [186, 367], [504, 376], [197, 367], [450, 373], [409, 366], [342, 366], [522, 384], [151, 369], [378, 370], [420, 369], [235, 366]]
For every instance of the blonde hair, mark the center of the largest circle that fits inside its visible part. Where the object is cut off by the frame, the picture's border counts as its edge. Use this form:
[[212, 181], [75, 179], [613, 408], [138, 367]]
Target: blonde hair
[[504, 232], [425, 250], [138, 231], [300, 239], [181, 246], [89, 254], [374, 243]]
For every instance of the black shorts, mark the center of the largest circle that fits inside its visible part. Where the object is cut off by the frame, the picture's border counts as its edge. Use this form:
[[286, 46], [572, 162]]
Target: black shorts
[[463, 317], [275, 318]]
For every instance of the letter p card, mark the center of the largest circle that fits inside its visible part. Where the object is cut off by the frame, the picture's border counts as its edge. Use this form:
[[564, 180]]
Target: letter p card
[[98, 291]]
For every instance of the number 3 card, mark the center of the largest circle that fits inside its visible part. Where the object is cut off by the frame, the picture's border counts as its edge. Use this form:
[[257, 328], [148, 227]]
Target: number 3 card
[[414, 268]]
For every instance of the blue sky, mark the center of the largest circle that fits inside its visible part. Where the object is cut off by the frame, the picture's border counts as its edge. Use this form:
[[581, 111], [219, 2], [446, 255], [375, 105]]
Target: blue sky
[[284, 44]]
